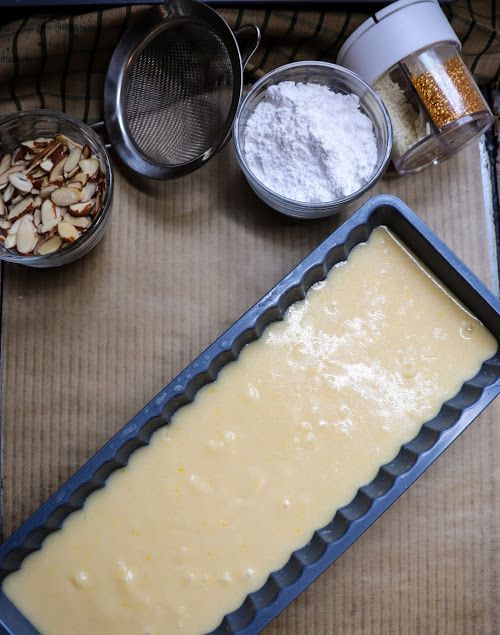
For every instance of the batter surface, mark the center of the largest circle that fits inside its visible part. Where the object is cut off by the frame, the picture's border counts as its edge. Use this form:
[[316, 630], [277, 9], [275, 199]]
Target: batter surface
[[263, 457]]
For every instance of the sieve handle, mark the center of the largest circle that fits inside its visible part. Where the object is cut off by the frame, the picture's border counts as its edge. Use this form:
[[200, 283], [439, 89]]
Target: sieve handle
[[248, 39], [100, 128]]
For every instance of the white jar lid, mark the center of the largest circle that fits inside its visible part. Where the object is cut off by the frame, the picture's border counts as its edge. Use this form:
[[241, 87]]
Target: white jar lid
[[392, 34]]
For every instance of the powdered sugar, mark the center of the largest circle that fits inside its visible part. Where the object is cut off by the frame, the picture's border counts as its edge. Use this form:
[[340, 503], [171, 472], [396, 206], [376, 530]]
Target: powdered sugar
[[310, 144]]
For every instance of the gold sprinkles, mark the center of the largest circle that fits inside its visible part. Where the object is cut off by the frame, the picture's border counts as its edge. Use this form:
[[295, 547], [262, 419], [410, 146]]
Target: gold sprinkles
[[449, 93]]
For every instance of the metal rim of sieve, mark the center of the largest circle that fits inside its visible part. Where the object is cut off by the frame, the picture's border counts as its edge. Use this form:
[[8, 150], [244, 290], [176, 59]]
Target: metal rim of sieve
[[154, 23]]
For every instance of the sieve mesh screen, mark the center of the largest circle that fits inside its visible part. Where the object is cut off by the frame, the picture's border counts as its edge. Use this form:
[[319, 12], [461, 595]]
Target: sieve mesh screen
[[179, 94]]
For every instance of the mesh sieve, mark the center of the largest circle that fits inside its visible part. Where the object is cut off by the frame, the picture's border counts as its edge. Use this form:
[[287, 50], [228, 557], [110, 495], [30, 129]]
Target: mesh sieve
[[179, 94], [172, 89]]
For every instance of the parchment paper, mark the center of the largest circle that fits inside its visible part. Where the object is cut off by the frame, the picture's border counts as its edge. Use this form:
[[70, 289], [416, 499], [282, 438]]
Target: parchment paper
[[84, 347]]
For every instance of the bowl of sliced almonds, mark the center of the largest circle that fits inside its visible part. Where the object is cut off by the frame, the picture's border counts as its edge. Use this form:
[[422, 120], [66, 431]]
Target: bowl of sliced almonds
[[56, 186]]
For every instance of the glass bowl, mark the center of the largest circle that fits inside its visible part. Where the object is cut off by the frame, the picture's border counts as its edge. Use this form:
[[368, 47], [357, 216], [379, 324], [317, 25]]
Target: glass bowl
[[341, 80], [46, 123]]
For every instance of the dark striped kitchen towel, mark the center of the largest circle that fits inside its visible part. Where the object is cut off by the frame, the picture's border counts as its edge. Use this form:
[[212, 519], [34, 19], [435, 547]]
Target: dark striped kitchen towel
[[59, 61]]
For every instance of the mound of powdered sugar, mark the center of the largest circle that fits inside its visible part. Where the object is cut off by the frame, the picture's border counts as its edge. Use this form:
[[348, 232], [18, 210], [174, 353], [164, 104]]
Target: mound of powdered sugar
[[310, 144]]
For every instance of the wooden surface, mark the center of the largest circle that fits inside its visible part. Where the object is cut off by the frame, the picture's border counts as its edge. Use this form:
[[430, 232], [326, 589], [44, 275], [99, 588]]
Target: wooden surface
[[84, 347]]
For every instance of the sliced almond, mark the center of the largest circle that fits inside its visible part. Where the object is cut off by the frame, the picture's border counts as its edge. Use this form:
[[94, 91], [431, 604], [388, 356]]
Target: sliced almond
[[18, 155], [47, 165], [65, 196], [30, 143], [67, 232], [88, 192], [10, 241], [44, 154], [57, 170], [42, 142], [48, 212], [21, 182], [36, 174], [21, 208], [74, 171], [8, 193], [81, 209], [5, 163], [82, 222], [16, 224], [50, 150], [49, 189], [59, 154], [97, 203], [4, 178], [26, 236], [67, 141], [72, 160], [81, 177], [38, 184], [90, 166], [48, 245], [46, 191], [46, 228]]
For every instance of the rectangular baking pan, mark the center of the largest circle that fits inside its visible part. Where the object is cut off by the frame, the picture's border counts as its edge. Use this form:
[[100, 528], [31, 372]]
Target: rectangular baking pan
[[328, 543]]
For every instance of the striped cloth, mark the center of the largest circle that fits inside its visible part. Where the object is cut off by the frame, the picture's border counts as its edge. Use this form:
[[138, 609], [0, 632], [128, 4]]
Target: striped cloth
[[59, 62]]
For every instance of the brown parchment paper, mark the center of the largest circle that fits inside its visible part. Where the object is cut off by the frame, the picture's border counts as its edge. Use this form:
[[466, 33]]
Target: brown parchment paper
[[84, 347]]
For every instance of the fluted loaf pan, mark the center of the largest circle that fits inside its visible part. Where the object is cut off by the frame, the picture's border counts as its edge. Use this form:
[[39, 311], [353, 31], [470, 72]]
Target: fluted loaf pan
[[371, 501]]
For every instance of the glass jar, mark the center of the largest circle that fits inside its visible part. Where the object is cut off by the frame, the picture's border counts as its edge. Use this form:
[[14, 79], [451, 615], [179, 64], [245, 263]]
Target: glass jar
[[47, 123], [340, 80], [410, 54]]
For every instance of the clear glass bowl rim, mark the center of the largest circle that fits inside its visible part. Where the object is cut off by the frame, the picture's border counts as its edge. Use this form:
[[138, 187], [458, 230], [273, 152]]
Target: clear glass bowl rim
[[102, 217], [338, 201]]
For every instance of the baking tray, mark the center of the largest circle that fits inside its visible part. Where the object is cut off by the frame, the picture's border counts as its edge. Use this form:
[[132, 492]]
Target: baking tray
[[327, 544], [302, 4]]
